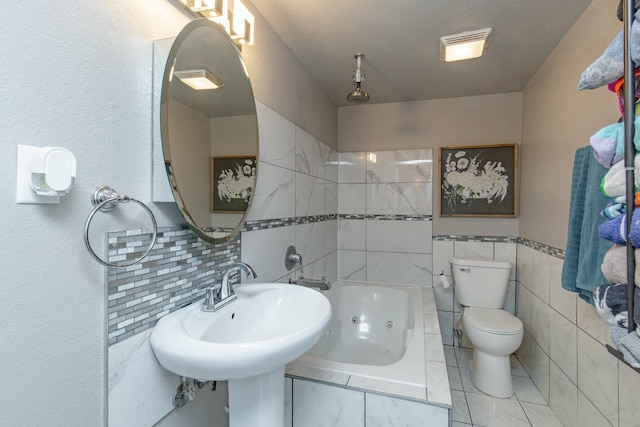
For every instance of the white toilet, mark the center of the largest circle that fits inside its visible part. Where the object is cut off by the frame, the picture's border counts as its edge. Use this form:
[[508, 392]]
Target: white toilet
[[481, 287]]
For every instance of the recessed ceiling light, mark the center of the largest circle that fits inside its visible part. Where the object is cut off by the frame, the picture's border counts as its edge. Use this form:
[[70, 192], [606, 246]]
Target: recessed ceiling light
[[467, 45]]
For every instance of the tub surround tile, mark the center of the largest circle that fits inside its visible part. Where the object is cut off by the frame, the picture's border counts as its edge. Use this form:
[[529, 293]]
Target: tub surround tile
[[399, 199], [434, 350], [399, 236], [393, 267], [295, 370], [269, 265], [351, 234], [374, 385], [310, 241], [352, 265], [438, 390], [319, 405], [400, 166], [331, 160], [431, 324], [384, 412], [331, 198], [351, 168], [352, 199]]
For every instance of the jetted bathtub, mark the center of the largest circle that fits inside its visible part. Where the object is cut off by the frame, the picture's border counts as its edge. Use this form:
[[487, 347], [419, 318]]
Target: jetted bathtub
[[376, 333]]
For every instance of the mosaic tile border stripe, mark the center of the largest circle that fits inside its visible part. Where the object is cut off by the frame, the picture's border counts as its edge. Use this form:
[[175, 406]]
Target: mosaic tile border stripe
[[178, 268], [540, 247], [265, 224], [459, 238], [379, 217]]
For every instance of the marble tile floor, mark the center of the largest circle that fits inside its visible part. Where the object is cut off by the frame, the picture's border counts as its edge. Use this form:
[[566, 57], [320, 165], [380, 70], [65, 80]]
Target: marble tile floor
[[471, 407]]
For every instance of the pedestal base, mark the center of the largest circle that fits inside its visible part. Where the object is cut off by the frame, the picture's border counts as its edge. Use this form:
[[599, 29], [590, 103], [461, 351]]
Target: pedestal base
[[257, 401]]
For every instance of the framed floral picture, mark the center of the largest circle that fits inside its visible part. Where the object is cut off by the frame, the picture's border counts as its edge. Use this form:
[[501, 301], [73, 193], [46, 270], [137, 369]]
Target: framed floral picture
[[232, 183], [479, 180]]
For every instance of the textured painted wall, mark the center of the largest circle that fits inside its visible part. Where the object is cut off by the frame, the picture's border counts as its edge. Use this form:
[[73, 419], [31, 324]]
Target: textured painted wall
[[557, 119]]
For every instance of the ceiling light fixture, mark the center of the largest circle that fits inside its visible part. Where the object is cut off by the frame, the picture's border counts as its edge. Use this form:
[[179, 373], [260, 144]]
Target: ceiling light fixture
[[199, 79], [233, 15], [467, 45], [358, 95]]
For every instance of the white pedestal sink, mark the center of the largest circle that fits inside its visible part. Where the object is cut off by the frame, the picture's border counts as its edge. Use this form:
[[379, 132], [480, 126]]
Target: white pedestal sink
[[248, 342]]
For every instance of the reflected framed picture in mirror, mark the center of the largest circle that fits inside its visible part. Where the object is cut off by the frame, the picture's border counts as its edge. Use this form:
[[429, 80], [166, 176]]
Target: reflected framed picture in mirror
[[232, 183]]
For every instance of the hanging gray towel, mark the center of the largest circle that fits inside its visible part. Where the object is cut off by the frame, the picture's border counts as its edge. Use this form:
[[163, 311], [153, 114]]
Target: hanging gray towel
[[585, 248]]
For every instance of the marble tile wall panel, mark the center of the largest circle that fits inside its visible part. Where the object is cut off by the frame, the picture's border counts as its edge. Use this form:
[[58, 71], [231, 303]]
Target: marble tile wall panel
[[385, 211], [587, 385], [385, 411], [319, 405]]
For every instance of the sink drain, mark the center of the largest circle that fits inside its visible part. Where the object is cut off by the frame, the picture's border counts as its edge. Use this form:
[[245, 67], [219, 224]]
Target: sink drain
[[355, 320], [389, 324]]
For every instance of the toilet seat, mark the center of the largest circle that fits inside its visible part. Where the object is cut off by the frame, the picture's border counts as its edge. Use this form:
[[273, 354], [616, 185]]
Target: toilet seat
[[494, 321]]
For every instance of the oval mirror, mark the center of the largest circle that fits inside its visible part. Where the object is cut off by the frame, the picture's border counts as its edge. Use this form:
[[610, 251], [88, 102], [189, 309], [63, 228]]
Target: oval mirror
[[209, 130]]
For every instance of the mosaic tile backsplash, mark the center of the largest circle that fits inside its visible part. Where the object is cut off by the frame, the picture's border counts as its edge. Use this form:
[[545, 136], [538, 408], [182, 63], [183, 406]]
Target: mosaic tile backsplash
[[174, 274]]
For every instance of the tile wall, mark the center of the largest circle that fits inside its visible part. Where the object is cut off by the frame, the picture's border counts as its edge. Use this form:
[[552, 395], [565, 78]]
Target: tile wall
[[385, 224], [564, 348], [296, 203]]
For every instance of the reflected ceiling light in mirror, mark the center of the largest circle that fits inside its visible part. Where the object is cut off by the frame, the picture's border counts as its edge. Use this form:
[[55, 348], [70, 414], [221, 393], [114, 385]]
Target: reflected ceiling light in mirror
[[233, 15], [358, 95], [199, 79], [467, 45]]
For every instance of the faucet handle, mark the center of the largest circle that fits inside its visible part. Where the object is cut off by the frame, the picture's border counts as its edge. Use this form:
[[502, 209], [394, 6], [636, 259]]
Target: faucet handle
[[292, 258], [211, 298]]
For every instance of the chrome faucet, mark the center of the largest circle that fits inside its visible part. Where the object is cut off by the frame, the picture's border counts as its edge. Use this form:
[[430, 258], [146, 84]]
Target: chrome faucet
[[216, 298]]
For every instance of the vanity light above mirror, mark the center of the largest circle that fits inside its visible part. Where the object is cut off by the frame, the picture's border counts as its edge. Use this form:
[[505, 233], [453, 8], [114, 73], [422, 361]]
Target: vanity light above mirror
[[232, 15]]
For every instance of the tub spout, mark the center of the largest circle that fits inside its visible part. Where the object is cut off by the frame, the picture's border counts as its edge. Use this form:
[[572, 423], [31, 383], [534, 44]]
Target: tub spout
[[322, 284]]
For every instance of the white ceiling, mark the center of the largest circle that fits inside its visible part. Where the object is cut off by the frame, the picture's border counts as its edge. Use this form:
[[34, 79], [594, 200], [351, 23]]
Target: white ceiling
[[400, 40]]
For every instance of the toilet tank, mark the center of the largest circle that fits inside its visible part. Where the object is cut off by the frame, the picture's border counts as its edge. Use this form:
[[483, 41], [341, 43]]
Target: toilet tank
[[480, 282]]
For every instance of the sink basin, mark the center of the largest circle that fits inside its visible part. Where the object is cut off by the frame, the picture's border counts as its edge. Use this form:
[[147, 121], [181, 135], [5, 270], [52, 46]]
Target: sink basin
[[266, 327]]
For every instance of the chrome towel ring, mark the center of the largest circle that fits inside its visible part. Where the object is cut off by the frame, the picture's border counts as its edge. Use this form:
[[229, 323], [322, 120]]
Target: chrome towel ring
[[105, 198]]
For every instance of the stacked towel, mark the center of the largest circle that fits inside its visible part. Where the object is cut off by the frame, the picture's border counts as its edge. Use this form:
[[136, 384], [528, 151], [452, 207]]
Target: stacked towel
[[614, 265], [628, 344], [611, 304], [608, 144], [614, 230], [615, 208], [585, 249], [613, 183]]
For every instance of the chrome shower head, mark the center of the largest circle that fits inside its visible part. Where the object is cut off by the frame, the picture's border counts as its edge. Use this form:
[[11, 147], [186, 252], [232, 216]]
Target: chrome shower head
[[358, 95]]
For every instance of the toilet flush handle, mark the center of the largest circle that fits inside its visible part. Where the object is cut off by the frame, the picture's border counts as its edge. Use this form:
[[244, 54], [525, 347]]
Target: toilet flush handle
[[465, 269]]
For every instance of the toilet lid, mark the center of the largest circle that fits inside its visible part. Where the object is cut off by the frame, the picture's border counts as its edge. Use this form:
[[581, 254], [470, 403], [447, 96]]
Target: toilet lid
[[492, 320]]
